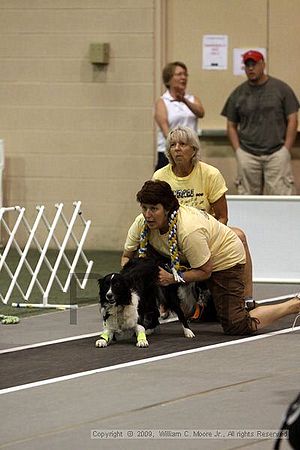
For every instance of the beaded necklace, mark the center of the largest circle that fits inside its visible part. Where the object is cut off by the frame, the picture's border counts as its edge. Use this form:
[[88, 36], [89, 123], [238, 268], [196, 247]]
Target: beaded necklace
[[173, 245]]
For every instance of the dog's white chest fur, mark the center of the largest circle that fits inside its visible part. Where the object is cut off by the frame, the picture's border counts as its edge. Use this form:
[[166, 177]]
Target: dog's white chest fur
[[122, 318]]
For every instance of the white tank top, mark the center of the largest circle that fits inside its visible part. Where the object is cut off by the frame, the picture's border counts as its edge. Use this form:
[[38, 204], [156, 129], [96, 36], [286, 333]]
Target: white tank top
[[178, 114]]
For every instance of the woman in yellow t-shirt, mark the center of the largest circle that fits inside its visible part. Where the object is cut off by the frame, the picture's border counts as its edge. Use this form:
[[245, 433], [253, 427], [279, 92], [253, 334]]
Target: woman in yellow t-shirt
[[212, 250], [198, 184]]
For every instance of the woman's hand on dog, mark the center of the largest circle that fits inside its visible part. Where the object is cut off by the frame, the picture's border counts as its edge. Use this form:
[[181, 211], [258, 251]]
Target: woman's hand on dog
[[165, 278]]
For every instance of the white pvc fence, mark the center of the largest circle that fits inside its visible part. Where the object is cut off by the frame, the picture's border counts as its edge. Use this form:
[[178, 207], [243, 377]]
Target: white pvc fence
[[272, 226], [1, 175], [21, 224]]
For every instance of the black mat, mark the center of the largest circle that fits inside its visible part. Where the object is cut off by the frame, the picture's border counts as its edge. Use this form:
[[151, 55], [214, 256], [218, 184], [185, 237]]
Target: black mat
[[56, 360]]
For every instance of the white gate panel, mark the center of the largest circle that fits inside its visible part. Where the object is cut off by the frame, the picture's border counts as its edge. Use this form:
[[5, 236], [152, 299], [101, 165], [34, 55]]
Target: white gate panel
[[41, 221]]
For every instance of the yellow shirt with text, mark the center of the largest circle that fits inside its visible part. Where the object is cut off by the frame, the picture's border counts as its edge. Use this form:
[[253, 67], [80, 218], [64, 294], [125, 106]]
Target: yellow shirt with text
[[200, 237], [201, 188]]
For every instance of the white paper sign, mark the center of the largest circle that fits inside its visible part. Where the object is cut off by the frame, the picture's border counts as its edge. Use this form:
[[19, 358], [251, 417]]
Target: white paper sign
[[214, 52], [238, 64]]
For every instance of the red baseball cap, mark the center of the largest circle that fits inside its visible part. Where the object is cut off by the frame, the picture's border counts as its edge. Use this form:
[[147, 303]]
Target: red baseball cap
[[254, 55]]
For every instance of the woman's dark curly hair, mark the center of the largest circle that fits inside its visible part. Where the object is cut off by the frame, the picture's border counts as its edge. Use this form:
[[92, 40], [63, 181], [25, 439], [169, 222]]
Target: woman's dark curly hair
[[157, 191]]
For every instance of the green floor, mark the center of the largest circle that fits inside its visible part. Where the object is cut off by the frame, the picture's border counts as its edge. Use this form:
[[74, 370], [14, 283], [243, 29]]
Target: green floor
[[104, 262]]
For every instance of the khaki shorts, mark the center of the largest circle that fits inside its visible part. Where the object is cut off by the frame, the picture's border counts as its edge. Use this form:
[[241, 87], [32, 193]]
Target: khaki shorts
[[265, 174], [227, 289]]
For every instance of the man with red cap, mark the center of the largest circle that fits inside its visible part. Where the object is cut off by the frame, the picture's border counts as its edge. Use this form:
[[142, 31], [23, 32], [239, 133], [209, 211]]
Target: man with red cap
[[262, 123]]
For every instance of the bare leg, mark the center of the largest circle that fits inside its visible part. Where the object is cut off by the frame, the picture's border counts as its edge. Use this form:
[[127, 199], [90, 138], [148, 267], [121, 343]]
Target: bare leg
[[248, 265], [268, 314]]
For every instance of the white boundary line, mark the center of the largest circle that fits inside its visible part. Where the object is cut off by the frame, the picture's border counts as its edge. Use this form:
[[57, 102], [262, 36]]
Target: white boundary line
[[42, 344], [67, 339], [83, 336], [276, 299], [145, 361]]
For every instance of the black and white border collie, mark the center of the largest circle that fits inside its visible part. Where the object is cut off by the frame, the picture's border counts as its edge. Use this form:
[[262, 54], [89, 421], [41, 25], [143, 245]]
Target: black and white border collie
[[128, 302]]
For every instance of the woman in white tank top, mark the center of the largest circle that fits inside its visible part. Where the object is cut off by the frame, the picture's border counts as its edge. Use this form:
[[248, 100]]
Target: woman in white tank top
[[175, 107]]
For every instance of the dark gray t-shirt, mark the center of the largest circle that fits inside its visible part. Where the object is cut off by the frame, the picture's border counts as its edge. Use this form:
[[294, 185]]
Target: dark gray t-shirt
[[261, 114]]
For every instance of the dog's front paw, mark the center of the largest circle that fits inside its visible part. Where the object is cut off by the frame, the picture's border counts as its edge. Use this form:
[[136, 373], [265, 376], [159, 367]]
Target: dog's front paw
[[142, 343], [188, 333], [141, 339], [101, 343]]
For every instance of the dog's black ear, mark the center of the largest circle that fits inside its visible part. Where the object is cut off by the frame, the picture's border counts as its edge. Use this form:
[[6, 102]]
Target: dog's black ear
[[99, 281]]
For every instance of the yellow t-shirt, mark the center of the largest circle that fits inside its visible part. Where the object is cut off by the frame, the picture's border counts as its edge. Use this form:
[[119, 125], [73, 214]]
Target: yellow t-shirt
[[200, 237], [204, 186]]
